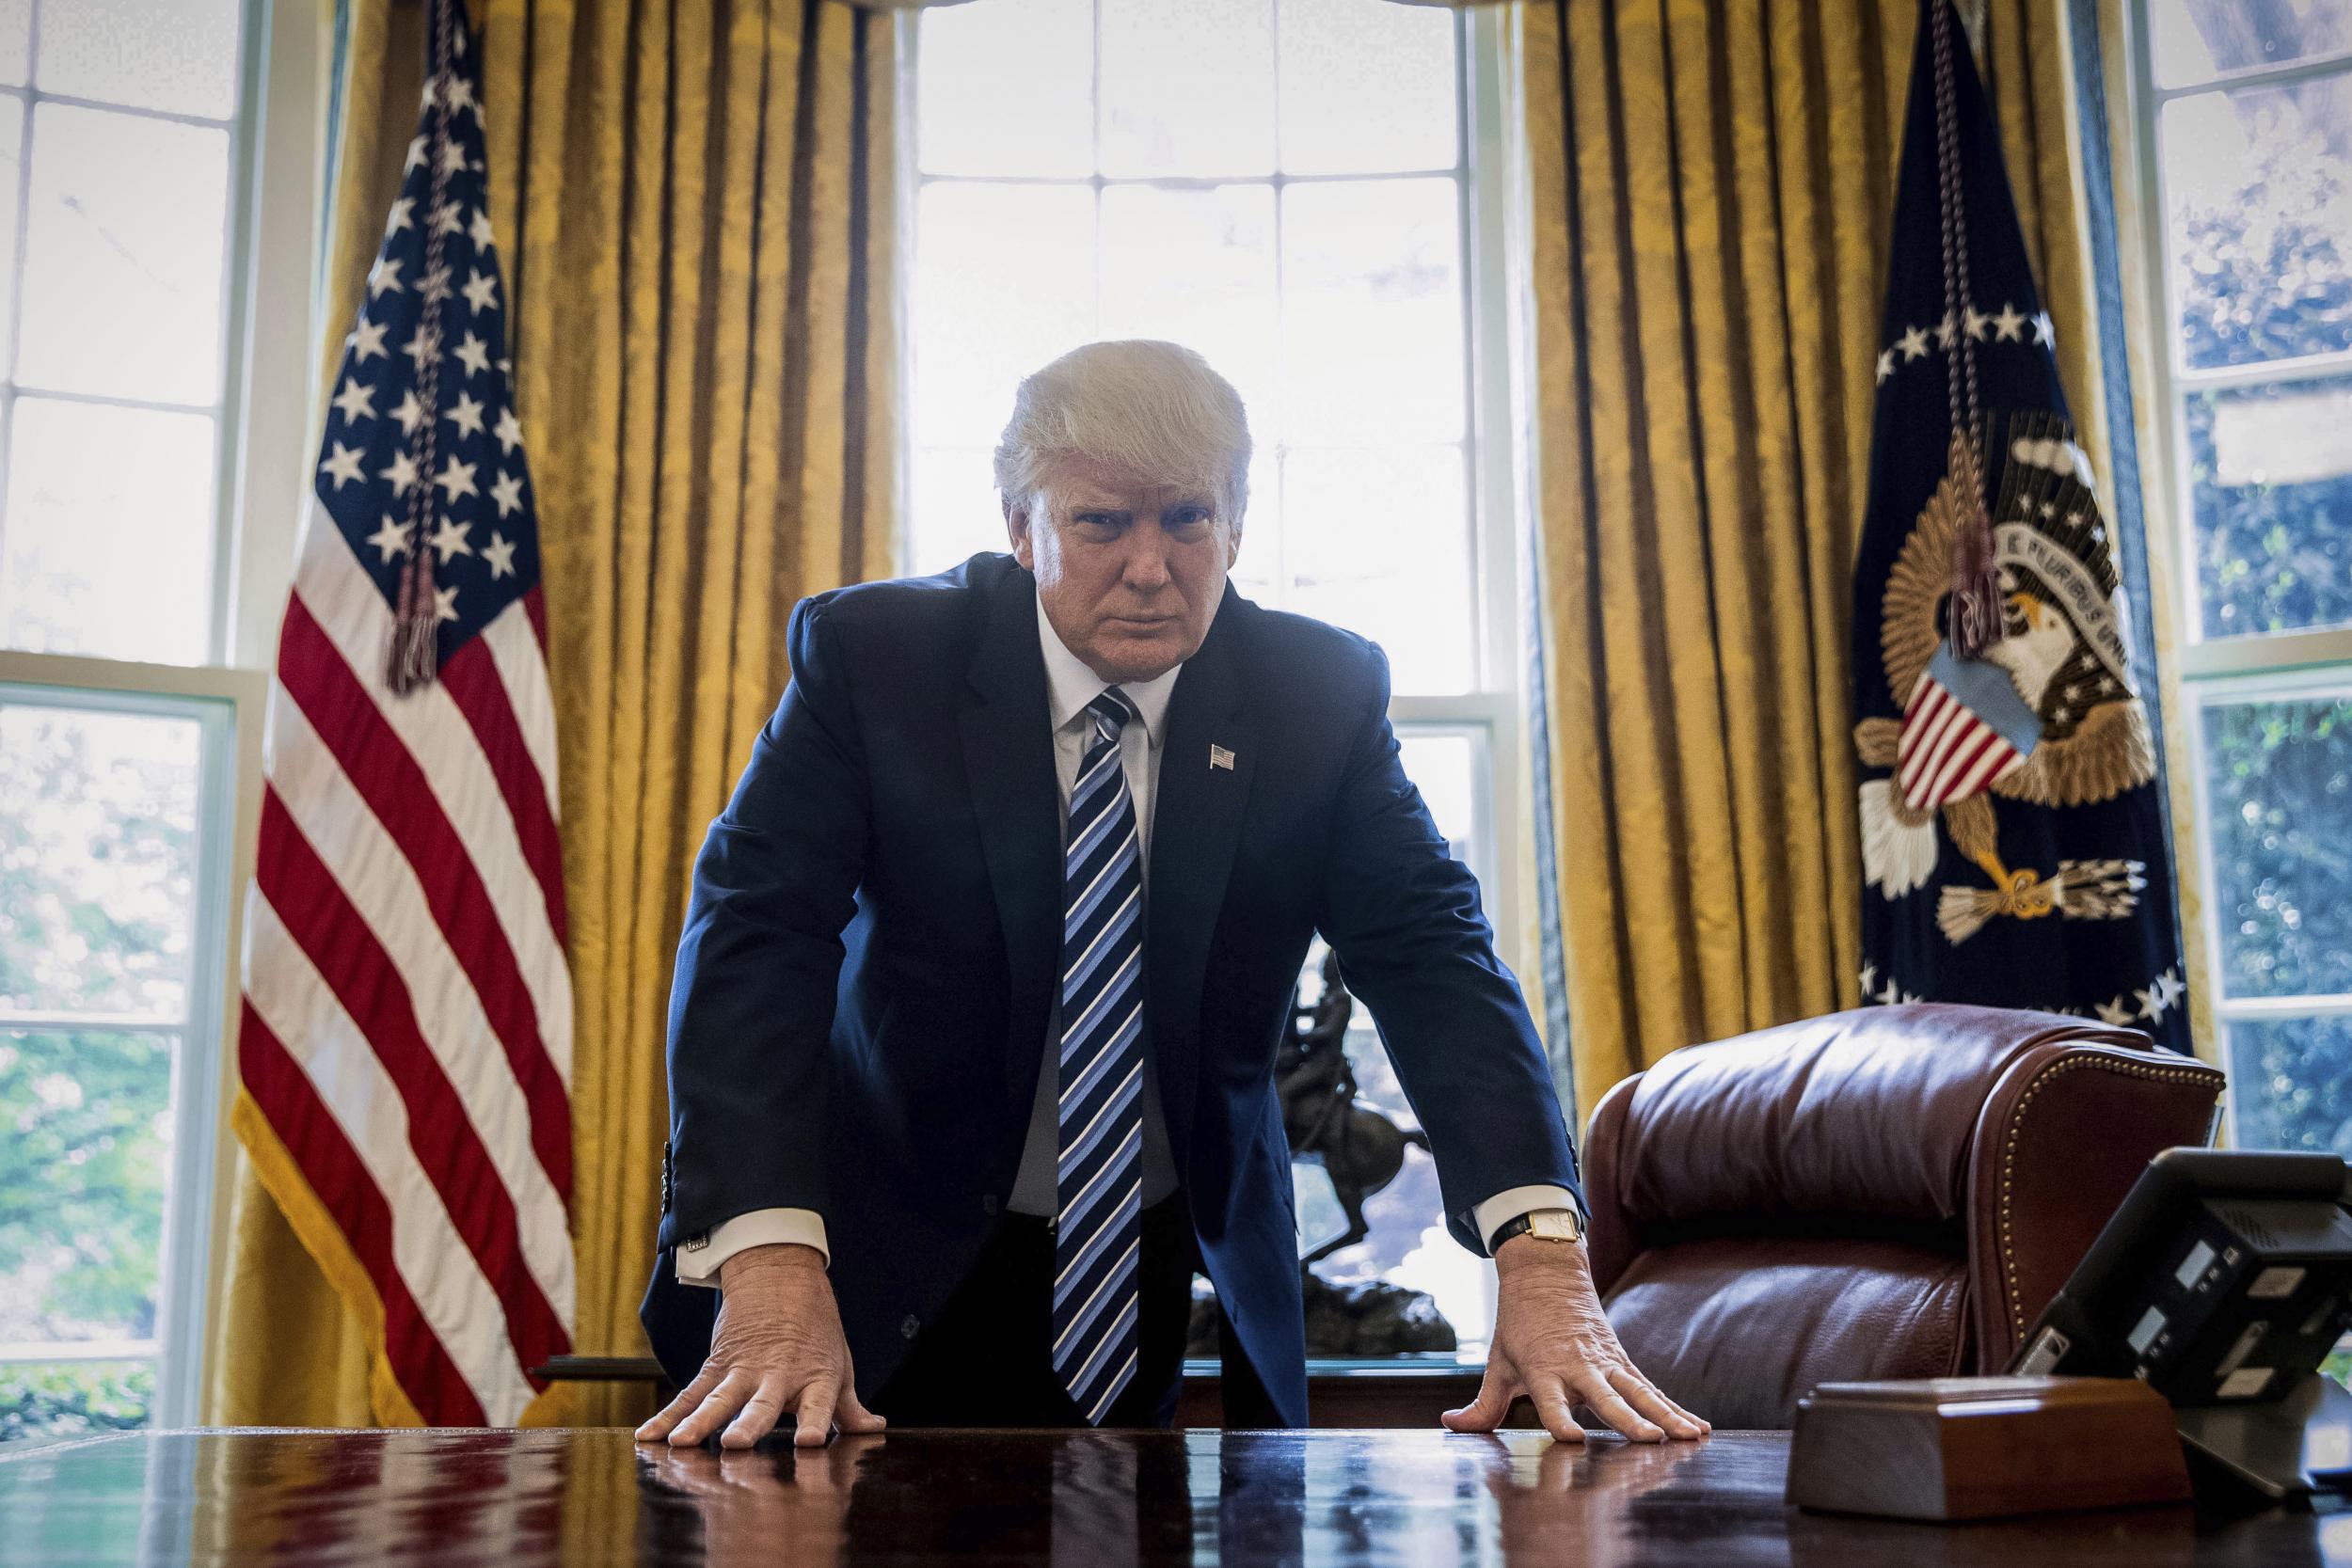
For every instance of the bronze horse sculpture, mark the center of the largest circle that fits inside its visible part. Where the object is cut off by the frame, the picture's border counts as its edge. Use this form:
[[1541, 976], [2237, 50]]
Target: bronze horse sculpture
[[1359, 1148]]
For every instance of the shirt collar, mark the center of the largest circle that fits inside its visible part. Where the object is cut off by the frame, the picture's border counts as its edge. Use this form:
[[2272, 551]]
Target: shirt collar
[[1071, 686]]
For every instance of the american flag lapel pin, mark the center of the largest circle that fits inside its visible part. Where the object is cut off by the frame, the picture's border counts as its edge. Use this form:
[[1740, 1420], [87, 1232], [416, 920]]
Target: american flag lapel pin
[[1220, 757]]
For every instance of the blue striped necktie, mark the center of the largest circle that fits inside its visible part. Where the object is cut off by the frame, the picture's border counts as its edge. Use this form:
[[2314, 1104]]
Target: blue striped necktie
[[1098, 1235]]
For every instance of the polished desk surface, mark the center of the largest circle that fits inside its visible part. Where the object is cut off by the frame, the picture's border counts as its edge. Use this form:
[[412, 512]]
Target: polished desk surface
[[514, 1499]]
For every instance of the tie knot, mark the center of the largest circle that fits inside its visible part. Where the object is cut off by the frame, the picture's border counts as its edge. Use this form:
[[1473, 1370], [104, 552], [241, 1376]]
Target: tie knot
[[1112, 711]]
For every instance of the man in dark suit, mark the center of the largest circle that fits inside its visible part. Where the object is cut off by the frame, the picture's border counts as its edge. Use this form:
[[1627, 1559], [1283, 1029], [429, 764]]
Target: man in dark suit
[[973, 1031]]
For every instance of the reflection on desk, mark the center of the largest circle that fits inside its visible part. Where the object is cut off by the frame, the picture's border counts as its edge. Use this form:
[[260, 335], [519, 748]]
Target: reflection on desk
[[514, 1499]]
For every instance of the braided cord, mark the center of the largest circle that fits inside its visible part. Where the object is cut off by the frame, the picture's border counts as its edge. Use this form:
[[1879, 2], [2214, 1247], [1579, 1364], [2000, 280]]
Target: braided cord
[[1961, 366], [414, 655], [1975, 620]]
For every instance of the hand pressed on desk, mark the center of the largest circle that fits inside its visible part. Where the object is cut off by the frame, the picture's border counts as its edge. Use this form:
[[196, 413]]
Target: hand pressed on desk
[[1553, 1343], [777, 1344]]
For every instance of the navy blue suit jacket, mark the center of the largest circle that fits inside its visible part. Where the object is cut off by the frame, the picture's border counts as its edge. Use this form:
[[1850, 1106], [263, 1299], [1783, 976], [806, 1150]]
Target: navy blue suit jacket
[[859, 1013]]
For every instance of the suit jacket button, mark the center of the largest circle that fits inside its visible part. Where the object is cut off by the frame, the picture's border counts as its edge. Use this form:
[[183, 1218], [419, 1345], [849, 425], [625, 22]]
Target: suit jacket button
[[911, 1327], [988, 1204]]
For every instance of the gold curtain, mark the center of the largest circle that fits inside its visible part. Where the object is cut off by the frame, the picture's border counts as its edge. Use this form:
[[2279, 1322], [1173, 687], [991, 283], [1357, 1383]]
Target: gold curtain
[[697, 215], [1710, 184]]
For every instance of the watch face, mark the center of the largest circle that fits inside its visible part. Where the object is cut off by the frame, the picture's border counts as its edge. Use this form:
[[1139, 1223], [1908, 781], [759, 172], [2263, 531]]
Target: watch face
[[1555, 1222]]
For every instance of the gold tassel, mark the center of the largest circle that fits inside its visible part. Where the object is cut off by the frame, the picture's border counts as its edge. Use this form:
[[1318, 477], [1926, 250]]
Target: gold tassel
[[415, 653], [1975, 620]]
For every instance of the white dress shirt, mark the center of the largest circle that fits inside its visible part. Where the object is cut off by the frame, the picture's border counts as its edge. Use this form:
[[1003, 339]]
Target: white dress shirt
[[1070, 687]]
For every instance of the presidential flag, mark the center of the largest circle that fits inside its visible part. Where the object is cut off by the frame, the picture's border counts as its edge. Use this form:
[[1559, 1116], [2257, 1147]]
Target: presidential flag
[[405, 1048], [2013, 844]]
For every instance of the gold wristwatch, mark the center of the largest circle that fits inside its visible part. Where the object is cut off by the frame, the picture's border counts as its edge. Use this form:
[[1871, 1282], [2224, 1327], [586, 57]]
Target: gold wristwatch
[[1550, 1225]]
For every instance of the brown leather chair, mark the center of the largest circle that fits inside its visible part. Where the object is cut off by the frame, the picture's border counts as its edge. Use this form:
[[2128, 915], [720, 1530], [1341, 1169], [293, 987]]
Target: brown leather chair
[[1896, 1191]]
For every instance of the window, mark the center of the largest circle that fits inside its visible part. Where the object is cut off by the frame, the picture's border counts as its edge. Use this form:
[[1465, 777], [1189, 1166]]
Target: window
[[1279, 186], [116, 817], [1408, 1243], [1291, 187], [132, 222], [2246, 122]]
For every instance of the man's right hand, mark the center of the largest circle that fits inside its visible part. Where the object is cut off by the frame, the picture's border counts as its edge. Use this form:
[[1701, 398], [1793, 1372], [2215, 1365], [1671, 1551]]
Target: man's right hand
[[777, 1346]]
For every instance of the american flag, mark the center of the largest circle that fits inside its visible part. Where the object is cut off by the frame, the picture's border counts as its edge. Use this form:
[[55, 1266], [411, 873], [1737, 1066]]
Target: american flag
[[408, 1015]]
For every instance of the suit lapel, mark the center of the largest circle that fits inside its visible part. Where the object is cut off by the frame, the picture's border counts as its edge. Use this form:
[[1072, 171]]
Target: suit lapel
[[1205, 769], [1009, 756]]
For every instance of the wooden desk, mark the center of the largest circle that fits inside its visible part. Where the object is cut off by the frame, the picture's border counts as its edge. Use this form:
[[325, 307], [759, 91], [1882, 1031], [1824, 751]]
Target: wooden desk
[[515, 1499], [1394, 1391]]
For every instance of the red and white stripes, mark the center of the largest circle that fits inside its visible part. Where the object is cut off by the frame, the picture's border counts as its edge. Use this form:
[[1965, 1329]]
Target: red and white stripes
[[407, 1029], [1946, 752]]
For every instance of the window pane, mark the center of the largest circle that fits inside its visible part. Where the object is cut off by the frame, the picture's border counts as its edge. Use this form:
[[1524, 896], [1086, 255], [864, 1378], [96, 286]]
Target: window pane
[[1004, 280], [1442, 767], [1378, 541], [1367, 87], [97, 860], [953, 512], [180, 55], [12, 174], [108, 533], [1256, 570], [2260, 187], [16, 41], [2279, 797], [1187, 90], [1372, 293], [1197, 267], [53, 1402], [83, 1168], [1007, 88], [2292, 1082], [2195, 38], [122, 267], [2270, 493]]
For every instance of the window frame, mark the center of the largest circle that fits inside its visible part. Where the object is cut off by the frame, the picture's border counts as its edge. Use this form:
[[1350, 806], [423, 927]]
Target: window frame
[[29, 97], [265, 436], [2298, 665], [1490, 439], [227, 706], [1490, 714]]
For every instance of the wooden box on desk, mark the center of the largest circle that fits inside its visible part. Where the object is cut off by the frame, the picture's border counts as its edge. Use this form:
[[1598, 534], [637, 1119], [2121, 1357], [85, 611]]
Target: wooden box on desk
[[1976, 1448]]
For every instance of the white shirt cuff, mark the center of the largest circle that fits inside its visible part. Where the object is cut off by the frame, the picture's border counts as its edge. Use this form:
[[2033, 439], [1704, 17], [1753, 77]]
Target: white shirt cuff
[[1510, 1204], [698, 1261]]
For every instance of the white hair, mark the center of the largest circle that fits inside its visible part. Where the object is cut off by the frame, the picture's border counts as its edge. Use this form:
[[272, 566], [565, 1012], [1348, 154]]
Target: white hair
[[1153, 410]]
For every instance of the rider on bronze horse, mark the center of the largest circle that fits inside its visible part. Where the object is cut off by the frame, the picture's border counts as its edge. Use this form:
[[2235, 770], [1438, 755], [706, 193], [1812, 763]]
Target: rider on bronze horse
[[1360, 1149]]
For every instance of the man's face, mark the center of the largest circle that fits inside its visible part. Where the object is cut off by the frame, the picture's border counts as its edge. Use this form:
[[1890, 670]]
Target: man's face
[[1130, 572]]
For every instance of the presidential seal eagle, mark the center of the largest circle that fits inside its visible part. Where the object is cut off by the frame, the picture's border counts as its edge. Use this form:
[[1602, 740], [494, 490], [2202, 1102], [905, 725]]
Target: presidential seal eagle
[[2064, 727]]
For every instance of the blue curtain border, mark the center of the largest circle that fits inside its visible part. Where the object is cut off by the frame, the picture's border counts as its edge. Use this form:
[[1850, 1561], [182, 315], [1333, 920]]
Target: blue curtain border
[[2115, 371], [338, 83], [1553, 945]]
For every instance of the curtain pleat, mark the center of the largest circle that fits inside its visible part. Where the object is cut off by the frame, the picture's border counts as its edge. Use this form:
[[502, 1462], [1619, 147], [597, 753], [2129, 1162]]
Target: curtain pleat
[[691, 200], [1710, 184]]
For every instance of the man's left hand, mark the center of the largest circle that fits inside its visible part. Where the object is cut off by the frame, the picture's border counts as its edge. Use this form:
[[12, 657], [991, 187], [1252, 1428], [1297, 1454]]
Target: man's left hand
[[1554, 1344]]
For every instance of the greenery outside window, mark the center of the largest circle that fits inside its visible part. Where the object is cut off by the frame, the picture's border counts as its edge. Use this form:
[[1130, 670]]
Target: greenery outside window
[[118, 817], [2245, 110]]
